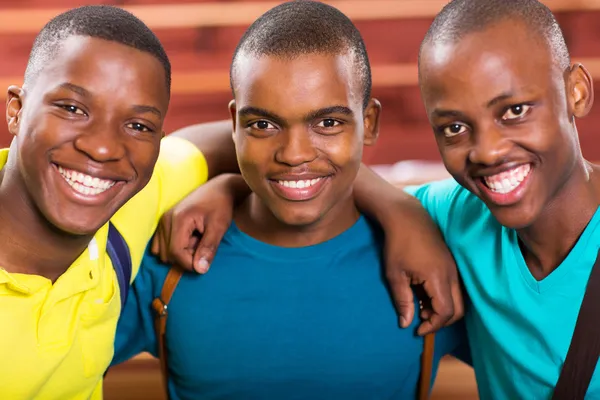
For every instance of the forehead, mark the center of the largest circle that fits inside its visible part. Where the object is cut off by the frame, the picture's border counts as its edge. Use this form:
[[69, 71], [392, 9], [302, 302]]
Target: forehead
[[294, 85], [106, 68], [504, 58]]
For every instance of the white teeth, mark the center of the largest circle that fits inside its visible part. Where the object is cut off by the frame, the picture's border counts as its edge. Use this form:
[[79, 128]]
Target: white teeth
[[85, 184], [507, 181], [303, 184]]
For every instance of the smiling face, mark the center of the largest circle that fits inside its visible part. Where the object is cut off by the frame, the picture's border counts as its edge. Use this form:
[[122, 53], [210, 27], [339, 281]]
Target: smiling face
[[503, 115], [88, 131], [299, 132]]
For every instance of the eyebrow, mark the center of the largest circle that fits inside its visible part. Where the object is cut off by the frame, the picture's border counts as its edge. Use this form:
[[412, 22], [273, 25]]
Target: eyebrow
[[249, 110], [141, 109], [499, 98], [327, 111], [75, 88], [441, 113], [261, 112]]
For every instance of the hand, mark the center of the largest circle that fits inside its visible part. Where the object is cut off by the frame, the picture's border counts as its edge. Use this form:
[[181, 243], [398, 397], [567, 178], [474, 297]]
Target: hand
[[189, 234], [416, 255]]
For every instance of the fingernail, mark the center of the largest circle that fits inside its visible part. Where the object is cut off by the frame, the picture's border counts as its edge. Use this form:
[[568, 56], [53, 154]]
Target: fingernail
[[202, 266], [403, 322]]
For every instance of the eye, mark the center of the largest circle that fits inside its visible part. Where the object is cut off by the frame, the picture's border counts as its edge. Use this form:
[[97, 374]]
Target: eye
[[328, 123], [262, 125], [72, 109], [516, 112], [136, 126], [454, 129]]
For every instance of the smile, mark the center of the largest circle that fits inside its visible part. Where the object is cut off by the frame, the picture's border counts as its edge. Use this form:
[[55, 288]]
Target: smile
[[299, 189], [507, 181], [299, 184], [85, 184]]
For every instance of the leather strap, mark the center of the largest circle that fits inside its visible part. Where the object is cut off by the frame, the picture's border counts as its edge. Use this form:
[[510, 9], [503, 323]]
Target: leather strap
[[160, 306], [584, 351], [426, 366]]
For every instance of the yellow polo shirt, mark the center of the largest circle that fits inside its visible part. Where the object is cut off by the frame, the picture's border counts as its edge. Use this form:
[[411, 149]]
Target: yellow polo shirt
[[56, 341]]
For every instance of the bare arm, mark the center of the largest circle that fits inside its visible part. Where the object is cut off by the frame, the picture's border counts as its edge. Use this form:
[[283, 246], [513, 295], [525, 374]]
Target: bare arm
[[415, 253], [215, 141]]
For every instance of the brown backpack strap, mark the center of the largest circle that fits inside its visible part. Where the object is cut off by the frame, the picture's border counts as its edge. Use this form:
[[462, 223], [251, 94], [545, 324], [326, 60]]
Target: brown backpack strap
[[426, 366], [160, 306], [584, 350]]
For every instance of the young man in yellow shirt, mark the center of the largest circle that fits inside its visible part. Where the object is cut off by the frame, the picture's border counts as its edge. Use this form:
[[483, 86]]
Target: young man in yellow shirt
[[87, 128], [84, 162]]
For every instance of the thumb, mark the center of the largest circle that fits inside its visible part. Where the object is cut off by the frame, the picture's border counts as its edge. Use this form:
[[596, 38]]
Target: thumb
[[206, 249], [182, 235], [403, 298]]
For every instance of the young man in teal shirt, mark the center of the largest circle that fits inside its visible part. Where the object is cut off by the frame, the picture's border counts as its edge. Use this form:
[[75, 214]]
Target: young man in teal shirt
[[521, 215]]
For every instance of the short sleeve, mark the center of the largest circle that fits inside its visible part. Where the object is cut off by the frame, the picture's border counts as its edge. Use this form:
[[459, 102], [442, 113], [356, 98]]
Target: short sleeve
[[180, 169], [439, 199]]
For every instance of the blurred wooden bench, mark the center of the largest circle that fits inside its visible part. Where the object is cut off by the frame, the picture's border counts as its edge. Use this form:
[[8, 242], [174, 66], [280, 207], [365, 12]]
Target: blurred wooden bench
[[139, 379], [186, 15]]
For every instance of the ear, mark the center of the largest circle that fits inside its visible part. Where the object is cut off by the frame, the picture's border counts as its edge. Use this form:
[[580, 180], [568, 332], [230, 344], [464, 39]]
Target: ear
[[371, 122], [580, 95], [233, 114], [14, 106]]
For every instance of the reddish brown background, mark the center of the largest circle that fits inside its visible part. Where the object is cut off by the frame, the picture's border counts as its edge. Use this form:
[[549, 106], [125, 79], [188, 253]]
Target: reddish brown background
[[405, 133]]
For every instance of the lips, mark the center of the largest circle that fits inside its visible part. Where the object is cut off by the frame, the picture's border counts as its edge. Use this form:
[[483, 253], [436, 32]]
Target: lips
[[301, 188], [85, 189], [506, 187], [85, 184]]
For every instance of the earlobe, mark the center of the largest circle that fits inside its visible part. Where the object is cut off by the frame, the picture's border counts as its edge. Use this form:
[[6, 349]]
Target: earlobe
[[581, 93], [233, 114], [14, 105], [371, 122]]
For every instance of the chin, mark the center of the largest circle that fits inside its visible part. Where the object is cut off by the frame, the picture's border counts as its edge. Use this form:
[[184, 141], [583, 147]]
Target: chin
[[78, 226], [298, 219], [513, 218]]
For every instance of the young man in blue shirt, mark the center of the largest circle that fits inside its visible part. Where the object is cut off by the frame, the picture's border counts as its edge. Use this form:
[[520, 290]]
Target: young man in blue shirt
[[295, 305]]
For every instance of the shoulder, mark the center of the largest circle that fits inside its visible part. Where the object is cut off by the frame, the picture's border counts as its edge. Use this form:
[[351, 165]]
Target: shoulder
[[449, 204]]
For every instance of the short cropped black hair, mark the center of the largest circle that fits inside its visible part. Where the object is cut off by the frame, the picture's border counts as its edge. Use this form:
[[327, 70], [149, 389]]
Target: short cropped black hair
[[302, 27], [461, 17], [101, 21]]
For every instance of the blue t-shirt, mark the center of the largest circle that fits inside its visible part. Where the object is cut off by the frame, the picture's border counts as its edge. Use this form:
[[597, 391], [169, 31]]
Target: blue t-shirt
[[519, 328], [282, 323]]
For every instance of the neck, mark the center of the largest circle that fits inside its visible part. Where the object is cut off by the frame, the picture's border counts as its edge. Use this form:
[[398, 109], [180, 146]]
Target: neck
[[255, 219], [548, 241], [31, 244]]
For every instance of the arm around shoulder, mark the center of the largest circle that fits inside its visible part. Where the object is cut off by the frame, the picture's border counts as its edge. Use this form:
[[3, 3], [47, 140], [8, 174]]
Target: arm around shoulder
[[415, 253]]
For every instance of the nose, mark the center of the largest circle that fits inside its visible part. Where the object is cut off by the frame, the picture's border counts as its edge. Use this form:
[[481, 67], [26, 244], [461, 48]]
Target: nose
[[102, 142], [296, 147], [489, 146]]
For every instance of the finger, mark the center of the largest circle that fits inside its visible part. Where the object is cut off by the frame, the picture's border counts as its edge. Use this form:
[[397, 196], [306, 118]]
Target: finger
[[164, 225], [163, 251], [155, 246], [459, 303], [205, 252], [402, 296], [441, 303], [182, 233]]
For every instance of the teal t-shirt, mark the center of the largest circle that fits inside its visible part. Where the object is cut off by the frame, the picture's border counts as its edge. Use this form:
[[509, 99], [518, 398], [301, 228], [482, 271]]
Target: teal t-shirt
[[519, 328], [268, 322]]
